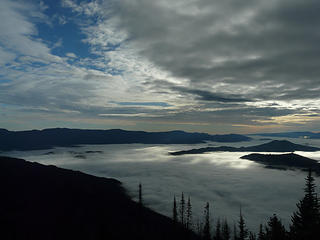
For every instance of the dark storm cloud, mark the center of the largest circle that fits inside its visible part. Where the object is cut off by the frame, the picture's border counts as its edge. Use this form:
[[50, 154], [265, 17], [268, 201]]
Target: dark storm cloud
[[239, 42], [209, 96], [163, 86]]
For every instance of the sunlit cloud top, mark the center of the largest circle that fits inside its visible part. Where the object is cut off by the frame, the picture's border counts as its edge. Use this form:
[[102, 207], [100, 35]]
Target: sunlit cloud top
[[196, 65]]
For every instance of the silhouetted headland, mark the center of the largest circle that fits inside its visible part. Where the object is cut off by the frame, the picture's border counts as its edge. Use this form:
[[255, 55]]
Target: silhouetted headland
[[273, 146], [285, 161], [45, 202], [64, 137]]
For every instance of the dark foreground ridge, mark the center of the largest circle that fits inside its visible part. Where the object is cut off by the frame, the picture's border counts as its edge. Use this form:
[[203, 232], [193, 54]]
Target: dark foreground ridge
[[285, 161], [273, 146], [45, 202], [64, 137]]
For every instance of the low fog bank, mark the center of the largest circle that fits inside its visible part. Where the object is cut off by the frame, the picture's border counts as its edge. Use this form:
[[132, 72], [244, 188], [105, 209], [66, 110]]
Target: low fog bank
[[221, 178]]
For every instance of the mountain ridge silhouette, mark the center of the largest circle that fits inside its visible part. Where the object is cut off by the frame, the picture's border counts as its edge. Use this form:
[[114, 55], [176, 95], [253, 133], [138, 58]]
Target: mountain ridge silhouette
[[65, 137]]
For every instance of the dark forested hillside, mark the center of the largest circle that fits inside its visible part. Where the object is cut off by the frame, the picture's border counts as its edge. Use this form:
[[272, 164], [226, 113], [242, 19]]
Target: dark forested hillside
[[47, 138], [46, 202]]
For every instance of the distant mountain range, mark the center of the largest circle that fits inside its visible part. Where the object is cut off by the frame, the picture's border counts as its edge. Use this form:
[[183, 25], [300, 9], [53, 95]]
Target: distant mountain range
[[311, 135], [48, 138], [45, 202], [273, 146], [285, 161]]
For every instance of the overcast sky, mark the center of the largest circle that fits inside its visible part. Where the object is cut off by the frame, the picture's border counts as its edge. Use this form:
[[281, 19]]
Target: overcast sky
[[197, 65]]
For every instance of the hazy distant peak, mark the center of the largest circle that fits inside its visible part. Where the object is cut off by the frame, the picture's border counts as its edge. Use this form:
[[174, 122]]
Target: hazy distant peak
[[312, 135]]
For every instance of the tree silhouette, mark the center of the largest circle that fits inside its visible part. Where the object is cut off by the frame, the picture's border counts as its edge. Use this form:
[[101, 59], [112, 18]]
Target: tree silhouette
[[189, 215], [140, 194], [174, 211], [199, 227], [182, 209], [306, 220], [261, 234], [252, 236], [243, 231], [225, 233], [217, 234], [206, 227], [235, 233], [275, 229]]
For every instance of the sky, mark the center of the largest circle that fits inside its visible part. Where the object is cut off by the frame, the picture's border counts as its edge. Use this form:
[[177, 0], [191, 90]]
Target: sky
[[195, 65]]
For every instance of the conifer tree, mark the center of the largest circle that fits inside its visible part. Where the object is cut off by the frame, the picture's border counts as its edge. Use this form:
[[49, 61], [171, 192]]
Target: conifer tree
[[243, 231], [182, 209], [140, 194], [217, 234], [174, 211], [261, 234], [306, 220], [206, 227], [199, 227], [189, 215], [235, 233], [252, 236], [225, 230], [275, 229]]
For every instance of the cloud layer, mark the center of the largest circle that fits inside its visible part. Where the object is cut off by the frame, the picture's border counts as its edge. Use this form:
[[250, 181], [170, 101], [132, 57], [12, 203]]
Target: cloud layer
[[223, 179], [244, 66]]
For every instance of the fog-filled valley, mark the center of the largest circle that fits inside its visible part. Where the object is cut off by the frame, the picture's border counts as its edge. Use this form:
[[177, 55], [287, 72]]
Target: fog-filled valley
[[220, 178]]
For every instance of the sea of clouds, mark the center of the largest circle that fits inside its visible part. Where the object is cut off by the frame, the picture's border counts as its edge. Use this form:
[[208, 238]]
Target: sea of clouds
[[221, 178]]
